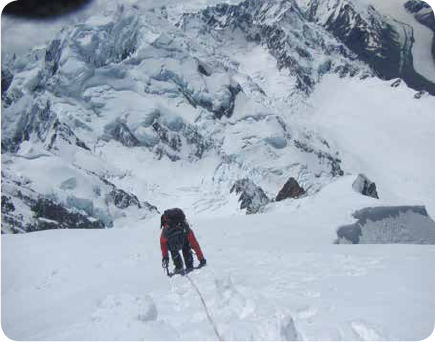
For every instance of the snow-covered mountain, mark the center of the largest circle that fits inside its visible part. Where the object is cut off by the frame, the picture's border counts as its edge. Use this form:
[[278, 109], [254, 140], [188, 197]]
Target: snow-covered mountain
[[216, 88], [313, 117], [133, 83]]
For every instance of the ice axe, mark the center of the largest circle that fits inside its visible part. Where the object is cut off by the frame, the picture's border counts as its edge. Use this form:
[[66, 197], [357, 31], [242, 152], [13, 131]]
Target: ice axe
[[165, 266]]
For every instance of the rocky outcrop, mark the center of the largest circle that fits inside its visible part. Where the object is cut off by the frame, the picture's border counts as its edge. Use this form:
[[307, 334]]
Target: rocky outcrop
[[226, 107], [7, 78], [333, 162], [52, 56], [174, 139], [252, 197], [47, 214], [386, 225], [7, 205], [25, 210], [291, 189], [365, 186], [61, 131], [39, 123], [51, 215], [35, 121], [119, 131], [122, 199]]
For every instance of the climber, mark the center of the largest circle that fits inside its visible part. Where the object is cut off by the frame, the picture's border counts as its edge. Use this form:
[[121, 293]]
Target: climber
[[176, 235]]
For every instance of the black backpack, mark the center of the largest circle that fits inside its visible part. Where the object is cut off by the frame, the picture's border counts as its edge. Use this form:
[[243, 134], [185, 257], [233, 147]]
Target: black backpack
[[176, 228]]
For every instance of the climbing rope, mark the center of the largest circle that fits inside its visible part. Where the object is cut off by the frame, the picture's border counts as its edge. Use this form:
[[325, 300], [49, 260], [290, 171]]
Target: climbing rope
[[206, 309]]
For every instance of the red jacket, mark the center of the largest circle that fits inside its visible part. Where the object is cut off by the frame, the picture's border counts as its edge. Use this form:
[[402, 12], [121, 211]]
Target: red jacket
[[192, 241]]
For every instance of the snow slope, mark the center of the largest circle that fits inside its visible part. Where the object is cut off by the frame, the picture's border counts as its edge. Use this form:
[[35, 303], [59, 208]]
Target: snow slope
[[381, 131], [97, 123], [275, 276]]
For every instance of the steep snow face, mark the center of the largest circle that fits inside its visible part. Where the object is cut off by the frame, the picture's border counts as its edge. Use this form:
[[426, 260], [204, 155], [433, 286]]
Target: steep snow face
[[273, 276], [381, 131], [139, 108]]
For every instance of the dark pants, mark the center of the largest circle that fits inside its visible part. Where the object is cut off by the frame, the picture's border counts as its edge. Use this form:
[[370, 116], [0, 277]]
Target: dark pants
[[187, 255]]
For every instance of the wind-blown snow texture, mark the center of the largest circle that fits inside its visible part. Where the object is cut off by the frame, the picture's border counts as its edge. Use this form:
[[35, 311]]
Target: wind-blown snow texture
[[133, 108], [274, 276]]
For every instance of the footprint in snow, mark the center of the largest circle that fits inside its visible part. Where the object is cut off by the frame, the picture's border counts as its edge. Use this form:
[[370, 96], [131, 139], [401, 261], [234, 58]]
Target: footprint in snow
[[55, 276], [361, 331], [306, 312], [312, 294], [288, 331], [366, 331], [124, 308]]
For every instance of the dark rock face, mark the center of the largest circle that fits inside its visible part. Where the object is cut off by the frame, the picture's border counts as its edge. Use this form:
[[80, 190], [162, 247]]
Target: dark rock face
[[227, 108], [7, 205], [202, 70], [47, 214], [122, 199], [36, 121], [194, 138], [64, 132], [384, 44], [151, 208], [335, 163], [166, 137], [52, 56], [120, 132], [28, 124], [7, 78], [365, 186], [51, 215], [252, 197], [42, 212], [170, 140], [42, 123], [387, 57], [291, 189], [402, 224]]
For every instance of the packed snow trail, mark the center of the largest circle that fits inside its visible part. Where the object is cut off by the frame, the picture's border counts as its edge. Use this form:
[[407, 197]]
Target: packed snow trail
[[205, 308], [275, 276], [210, 319]]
